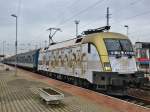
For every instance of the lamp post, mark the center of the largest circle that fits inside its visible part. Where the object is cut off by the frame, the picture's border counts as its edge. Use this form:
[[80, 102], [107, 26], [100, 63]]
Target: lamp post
[[13, 15], [126, 26], [4, 48], [77, 23]]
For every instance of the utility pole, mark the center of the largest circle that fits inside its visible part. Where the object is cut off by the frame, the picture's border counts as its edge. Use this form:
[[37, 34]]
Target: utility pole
[[107, 17], [52, 32], [0, 49], [77, 23]]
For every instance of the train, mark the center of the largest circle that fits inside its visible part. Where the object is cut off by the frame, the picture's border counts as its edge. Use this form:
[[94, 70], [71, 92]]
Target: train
[[98, 59], [142, 50]]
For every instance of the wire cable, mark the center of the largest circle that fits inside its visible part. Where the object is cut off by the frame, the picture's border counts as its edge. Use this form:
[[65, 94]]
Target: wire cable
[[72, 17], [137, 15], [81, 12]]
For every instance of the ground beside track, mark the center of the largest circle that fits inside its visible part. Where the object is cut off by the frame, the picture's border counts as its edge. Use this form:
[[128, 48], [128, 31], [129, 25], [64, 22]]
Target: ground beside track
[[19, 94]]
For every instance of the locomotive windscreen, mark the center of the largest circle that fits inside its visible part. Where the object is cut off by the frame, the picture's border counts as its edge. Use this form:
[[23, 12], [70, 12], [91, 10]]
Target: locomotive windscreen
[[119, 45], [113, 45], [126, 45]]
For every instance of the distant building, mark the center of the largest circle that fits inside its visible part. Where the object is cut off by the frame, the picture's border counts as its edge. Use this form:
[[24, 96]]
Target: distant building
[[142, 50]]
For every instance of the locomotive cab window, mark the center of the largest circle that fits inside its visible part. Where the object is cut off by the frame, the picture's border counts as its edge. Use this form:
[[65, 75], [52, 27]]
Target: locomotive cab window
[[116, 46], [126, 45]]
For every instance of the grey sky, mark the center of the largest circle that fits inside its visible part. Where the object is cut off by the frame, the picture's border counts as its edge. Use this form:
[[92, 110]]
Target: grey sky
[[35, 16]]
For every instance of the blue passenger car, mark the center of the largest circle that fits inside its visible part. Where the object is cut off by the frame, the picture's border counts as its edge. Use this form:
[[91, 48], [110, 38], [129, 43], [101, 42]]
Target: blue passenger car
[[27, 60]]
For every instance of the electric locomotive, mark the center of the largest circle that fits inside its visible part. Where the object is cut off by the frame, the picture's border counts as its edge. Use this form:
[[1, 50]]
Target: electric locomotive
[[100, 60]]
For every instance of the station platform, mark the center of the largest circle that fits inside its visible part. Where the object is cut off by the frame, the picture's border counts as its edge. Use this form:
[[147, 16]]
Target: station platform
[[19, 93]]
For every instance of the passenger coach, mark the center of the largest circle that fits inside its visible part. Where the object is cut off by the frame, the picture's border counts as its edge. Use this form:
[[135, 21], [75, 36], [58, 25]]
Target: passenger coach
[[27, 60]]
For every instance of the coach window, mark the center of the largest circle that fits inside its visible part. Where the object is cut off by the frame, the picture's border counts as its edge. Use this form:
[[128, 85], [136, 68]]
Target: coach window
[[29, 59], [33, 58], [23, 58]]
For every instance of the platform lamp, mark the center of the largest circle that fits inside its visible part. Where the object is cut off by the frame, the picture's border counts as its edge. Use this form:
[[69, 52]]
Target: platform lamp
[[13, 15], [126, 26], [4, 49], [77, 23]]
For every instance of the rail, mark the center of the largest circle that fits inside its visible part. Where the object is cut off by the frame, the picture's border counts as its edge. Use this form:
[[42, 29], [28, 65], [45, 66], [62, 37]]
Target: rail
[[139, 96]]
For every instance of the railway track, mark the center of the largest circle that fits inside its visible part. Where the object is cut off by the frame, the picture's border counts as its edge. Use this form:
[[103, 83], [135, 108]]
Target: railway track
[[102, 99], [146, 87], [136, 96], [136, 101], [139, 96]]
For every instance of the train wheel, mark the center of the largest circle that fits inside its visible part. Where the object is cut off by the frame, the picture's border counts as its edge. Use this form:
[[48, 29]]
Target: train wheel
[[80, 82], [75, 82]]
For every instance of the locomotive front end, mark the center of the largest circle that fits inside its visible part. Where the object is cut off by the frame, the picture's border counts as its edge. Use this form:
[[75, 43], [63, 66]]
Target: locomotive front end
[[119, 65]]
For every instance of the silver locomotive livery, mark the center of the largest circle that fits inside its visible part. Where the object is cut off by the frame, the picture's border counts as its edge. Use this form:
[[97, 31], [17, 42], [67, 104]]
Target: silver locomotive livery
[[100, 60]]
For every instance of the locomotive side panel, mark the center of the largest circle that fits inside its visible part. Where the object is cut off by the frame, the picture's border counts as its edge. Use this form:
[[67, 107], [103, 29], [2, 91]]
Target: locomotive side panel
[[76, 61]]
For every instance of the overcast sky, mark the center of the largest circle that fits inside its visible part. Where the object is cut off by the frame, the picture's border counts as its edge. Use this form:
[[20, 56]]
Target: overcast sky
[[36, 16]]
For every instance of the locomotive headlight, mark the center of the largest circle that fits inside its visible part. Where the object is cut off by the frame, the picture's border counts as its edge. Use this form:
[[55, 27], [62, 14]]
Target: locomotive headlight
[[107, 66]]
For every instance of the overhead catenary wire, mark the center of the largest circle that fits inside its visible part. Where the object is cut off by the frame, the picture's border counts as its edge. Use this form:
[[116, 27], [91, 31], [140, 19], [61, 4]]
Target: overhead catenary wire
[[80, 12], [67, 8], [19, 7], [74, 2], [137, 15], [45, 27], [135, 2], [88, 8], [130, 4], [95, 4], [77, 14]]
